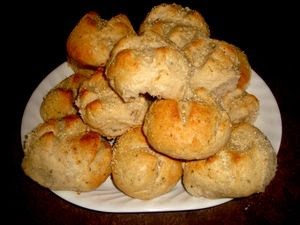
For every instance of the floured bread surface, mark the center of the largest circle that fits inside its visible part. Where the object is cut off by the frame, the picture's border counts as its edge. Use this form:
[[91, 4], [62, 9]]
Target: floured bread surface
[[246, 165], [104, 110], [92, 39], [65, 155], [194, 129], [217, 66], [140, 172], [59, 101], [148, 64], [240, 106], [178, 24]]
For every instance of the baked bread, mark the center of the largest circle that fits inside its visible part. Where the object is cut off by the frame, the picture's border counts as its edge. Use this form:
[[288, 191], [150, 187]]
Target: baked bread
[[65, 155], [140, 172], [102, 108], [193, 129], [90, 42], [80, 69], [59, 101], [178, 24], [246, 165], [240, 106], [148, 64], [217, 66], [245, 70]]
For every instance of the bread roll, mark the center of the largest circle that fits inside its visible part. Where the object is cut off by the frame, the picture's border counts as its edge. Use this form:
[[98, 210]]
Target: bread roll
[[102, 108], [217, 66], [240, 106], [246, 165], [178, 24], [139, 171], [65, 155], [148, 64], [59, 101], [90, 42], [194, 129]]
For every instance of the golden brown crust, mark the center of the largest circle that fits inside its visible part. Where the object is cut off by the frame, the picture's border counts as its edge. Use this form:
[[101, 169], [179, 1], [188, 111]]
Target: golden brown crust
[[244, 166], [65, 155], [92, 39], [193, 129], [102, 108], [59, 101], [139, 171]]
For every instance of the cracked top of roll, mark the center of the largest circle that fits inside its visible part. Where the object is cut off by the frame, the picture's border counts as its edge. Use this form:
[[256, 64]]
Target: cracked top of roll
[[191, 129], [90, 42], [244, 166], [66, 155], [103, 109], [175, 23], [139, 171], [148, 64]]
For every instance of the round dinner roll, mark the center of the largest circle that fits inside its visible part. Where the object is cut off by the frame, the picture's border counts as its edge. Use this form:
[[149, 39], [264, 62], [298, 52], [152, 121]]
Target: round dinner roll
[[104, 110], [90, 42], [59, 101], [65, 155], [246, 165], [140, 172], [178, 24], [240, 106], [191, 129], [217, 66], [148, 64]]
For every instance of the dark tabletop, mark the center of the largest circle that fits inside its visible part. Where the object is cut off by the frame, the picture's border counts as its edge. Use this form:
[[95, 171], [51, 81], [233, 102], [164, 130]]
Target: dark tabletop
[[266, 33]]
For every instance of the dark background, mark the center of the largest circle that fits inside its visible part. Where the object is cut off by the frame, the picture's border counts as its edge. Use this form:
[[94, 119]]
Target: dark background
[[36, 33]]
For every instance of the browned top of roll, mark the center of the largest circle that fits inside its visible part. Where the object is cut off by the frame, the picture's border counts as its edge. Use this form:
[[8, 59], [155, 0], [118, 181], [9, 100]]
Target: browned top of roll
[[92, 39], [65, 155]]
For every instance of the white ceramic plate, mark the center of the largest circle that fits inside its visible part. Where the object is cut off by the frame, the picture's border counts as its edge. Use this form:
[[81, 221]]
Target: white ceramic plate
[[107, 198]]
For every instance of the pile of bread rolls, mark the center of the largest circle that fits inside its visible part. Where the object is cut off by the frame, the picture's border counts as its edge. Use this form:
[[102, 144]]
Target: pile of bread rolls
[[150, 108]]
